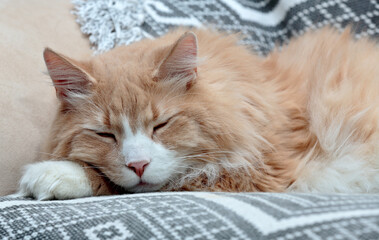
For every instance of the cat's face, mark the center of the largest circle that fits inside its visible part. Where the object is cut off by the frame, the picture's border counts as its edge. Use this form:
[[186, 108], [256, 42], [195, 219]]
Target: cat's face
[[140, 141], [137, 114]]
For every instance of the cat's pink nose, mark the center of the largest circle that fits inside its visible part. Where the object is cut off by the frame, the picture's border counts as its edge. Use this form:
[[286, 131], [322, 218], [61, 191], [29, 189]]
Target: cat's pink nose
[[138, 167]]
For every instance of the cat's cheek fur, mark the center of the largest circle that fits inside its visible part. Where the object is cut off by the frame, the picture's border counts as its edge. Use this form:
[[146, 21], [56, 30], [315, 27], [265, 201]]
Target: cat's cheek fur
[[55, 180]]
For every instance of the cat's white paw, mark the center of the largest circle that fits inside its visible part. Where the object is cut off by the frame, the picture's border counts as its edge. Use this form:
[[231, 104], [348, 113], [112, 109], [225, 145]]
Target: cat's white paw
[[55, 180]]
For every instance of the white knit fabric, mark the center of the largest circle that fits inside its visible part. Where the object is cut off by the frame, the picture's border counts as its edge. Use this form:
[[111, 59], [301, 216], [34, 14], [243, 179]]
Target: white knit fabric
[[110, 23]]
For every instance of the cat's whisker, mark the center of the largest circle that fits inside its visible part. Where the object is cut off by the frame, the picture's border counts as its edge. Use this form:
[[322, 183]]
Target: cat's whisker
[[89, 167], [49, 154], [210, 154]]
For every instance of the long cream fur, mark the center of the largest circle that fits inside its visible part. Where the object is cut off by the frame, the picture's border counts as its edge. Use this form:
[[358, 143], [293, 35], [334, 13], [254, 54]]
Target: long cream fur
[[207, 114]]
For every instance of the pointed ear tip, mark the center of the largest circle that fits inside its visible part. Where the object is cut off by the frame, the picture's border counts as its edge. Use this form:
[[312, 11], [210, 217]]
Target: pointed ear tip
[[47, 51], [191, 35]]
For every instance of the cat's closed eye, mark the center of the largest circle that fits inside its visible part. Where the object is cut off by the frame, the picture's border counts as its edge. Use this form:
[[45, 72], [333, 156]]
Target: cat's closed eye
[[159, 126], [107, 135], [162, 124]]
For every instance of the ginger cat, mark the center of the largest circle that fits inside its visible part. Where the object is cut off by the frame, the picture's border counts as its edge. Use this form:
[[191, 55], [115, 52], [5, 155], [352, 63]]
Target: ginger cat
[[196, 111]]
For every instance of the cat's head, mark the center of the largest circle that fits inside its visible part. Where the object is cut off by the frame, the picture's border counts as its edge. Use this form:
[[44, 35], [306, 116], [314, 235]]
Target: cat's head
[[139, 113]]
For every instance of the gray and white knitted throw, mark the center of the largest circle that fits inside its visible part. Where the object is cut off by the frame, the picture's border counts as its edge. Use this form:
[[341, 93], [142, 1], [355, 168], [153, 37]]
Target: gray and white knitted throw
[[264, 23], [194, 215]]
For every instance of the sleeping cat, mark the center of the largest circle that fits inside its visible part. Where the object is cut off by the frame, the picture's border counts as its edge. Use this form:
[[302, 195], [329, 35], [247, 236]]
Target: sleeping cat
[[196, 111]]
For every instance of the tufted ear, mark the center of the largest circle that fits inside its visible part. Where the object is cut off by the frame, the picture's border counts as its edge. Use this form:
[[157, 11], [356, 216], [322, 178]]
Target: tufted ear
[[180, 64], [70, 81]]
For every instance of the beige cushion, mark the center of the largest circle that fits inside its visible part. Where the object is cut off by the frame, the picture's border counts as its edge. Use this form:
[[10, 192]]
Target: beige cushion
[[27, 98]]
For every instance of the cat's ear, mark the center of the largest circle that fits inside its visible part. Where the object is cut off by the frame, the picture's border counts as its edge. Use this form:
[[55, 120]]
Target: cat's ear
[[180, 64], [70, 80]]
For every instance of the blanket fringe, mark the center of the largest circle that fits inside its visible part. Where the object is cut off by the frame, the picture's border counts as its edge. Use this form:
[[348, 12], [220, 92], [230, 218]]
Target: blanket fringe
[[110, 23]]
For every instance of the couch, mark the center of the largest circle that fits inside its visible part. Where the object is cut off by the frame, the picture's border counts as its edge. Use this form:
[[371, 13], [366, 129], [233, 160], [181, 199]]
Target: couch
[[27, 105]]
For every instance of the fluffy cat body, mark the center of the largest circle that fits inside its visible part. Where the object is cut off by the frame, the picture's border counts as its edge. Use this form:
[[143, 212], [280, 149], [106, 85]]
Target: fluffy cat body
[[204, 114]]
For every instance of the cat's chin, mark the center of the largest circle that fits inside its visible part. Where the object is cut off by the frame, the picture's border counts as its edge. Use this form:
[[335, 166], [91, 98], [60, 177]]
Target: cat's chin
[[144, 187]]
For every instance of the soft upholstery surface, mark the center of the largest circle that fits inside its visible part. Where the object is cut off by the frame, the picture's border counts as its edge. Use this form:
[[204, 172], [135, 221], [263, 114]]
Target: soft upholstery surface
[[27, 98], [194, 216]]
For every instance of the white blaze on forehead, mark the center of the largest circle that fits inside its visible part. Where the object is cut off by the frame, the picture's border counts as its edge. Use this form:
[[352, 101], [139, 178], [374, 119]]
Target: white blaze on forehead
[[137, 146]]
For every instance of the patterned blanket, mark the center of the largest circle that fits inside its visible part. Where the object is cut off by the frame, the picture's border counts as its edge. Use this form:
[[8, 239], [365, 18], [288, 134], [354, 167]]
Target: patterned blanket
[[193, 215], [263, 23]]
